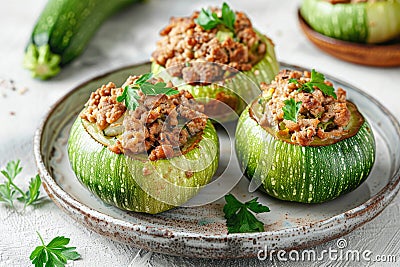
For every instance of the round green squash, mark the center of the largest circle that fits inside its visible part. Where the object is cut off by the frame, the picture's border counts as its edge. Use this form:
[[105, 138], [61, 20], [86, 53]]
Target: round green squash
[[365, 22], [316, 173], [138, 184], [242, 86]]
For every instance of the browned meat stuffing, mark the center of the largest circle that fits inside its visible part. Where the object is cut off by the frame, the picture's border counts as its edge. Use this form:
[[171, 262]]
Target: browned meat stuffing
[[161, 125], [184, 41], [319, 115], [103, 107]]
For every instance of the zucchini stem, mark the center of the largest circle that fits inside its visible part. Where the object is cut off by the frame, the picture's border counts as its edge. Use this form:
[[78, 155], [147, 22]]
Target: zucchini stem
[[42, 63]]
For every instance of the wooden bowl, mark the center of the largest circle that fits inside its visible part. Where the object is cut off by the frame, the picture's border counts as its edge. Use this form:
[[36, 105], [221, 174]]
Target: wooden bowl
[[378, 55]]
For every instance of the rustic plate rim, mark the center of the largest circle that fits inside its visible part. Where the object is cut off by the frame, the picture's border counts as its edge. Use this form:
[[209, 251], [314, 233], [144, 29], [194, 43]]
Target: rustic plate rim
[[376, 203]]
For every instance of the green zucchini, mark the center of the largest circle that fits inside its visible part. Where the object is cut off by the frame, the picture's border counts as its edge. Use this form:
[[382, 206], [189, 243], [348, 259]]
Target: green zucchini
[[308, 174], [62, 32], [364, 22], [138, 184], [243, 86]]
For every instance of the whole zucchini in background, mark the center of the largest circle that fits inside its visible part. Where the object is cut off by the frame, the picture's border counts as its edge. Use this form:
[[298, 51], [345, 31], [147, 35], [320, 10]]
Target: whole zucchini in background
[[122, 181], [364, 22], [63, 31]]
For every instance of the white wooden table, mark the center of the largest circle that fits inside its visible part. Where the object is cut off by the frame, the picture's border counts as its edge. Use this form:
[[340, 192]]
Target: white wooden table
[[129, 38]]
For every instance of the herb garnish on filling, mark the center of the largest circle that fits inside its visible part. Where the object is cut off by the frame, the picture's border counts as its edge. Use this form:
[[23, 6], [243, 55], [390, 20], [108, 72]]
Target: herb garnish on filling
[[317, 80], [214, 35], [131, 96], [291, 109], [209, 20], [302, 106]]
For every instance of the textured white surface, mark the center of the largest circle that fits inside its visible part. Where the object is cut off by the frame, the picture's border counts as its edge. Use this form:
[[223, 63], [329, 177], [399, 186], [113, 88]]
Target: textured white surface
[[129, 38]]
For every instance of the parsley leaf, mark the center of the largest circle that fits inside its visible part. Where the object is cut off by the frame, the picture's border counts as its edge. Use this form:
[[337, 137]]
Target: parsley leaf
[[33, 194], [54, 254], [209, 20], [7, 194], [317, 80], [130, 94], [144, 78], [228, 17], [327, 90], [317, 77], [291, 109], [239, 218], [9, 190]]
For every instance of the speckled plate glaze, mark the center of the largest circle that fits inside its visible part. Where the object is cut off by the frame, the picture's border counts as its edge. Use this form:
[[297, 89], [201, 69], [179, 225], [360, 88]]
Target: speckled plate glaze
[[200, 231]]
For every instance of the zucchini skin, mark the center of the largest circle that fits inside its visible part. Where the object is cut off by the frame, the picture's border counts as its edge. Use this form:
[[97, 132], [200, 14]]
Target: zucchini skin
[[303, 174], [120, 181], [366, 22], [63, 31], [241, 85]]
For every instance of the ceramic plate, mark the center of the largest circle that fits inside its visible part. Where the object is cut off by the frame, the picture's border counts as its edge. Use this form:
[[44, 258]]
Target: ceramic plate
[[201, 231]]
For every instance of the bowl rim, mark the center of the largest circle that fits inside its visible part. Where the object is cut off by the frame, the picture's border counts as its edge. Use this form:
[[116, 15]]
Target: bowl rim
[[335, 41]]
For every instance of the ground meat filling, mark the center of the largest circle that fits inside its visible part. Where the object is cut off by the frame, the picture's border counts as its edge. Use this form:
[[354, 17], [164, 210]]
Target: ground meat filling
[[186, 42], [102, 107], [319, 115], [161, 125]]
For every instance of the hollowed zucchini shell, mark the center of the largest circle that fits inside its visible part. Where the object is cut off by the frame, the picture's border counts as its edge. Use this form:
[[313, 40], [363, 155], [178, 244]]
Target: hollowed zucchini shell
[[243, 86], [307, 174], [367, 22], [141, 185]]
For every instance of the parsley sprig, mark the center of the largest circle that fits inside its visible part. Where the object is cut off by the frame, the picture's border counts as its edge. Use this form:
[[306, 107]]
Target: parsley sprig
[[239, 216], [209, 20], [291, 109], [9, 191], [54, 253], [317, 80], [130, 94]]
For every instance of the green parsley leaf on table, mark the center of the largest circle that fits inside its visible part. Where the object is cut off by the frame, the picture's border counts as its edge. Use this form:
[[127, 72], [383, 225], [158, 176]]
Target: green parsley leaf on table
[[9, 190], [33, 194], [209, 20], [239, 216], [130, 94], [317, 80], [291, 109], [53, 254]]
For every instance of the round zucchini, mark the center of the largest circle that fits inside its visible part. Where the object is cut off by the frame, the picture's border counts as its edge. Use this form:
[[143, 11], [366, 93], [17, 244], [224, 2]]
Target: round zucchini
[[364, 22], [308, 174], [138, 184], [235, 92]]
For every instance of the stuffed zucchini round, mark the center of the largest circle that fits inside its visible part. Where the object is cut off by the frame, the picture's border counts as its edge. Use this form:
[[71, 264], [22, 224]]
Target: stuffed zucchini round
[[145, 148], [363, 21], [218, 56], [302, 143]]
